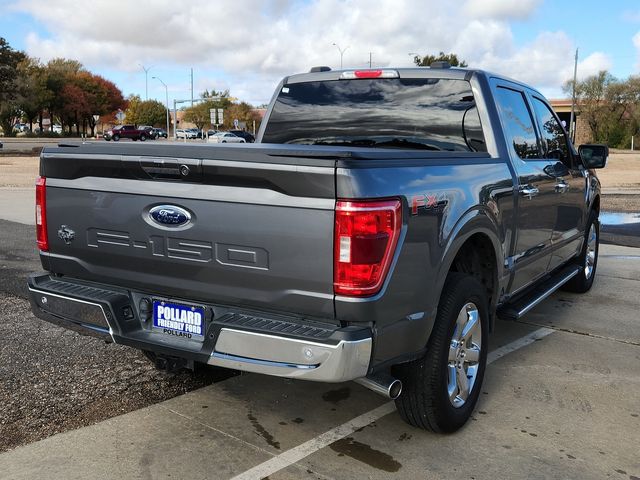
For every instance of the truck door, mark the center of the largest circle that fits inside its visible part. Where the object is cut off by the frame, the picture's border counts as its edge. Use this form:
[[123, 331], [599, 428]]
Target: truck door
[[570, 185], [535, 194]]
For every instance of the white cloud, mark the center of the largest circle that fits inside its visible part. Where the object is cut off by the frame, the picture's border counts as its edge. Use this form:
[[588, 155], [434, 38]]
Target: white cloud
[[253, 43], [502, 9]]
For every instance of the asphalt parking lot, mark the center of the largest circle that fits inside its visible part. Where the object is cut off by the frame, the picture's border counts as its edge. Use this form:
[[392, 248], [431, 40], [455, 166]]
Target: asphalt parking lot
[[564, 403], [561, 399]]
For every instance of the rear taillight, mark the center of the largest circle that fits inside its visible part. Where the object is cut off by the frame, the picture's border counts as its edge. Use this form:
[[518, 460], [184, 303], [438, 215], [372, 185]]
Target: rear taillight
[[41, 214], [365, 238]]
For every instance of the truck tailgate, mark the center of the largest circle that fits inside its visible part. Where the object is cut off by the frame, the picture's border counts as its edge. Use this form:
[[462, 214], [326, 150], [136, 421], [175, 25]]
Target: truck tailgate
[[260, 231]]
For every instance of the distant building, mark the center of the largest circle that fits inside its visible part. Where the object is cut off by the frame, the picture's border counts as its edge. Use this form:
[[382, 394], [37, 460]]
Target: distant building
[[562, 107]]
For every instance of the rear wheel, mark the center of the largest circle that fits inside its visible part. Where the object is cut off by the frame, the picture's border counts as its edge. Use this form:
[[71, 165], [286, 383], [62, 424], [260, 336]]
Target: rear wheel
[[116, 138], [588, 258], [143, 137], [441, 389]]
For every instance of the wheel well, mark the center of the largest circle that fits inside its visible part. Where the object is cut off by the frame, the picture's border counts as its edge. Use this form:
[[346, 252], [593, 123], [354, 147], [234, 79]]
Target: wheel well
[[477, 258], [596, 204]]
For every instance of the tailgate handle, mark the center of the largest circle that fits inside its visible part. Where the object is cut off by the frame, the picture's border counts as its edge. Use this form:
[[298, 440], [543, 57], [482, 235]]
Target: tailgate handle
[[170, 168]]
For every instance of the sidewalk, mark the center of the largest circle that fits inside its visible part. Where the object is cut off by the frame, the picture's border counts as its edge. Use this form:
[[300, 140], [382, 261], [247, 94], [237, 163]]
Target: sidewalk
[[18, 205]]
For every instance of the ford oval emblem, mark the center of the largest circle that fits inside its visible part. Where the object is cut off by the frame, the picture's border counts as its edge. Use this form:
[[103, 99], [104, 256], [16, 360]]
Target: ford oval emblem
[[170, 215]]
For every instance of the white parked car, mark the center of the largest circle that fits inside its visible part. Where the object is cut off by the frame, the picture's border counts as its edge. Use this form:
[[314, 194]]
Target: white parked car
[[225, 137], [185, 133]]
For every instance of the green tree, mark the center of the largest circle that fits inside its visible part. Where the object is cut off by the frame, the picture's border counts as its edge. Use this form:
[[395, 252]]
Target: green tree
[[199, 113], [9, 86], [145, 112], [427, 60], [34, 94], [243, 112], [609, 106]]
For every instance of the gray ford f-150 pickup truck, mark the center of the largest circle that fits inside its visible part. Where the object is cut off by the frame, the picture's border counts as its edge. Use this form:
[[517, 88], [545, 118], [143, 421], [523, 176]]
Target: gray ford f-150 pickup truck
[[375, 231]]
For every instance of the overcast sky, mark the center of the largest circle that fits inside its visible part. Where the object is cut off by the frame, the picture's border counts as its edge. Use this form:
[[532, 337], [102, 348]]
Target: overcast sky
[[247, 46]]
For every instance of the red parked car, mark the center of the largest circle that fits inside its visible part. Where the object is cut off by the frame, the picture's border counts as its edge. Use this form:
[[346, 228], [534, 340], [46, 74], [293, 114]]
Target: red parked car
[[129, 131]]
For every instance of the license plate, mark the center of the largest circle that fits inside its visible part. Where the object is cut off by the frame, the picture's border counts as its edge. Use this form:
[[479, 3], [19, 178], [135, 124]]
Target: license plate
[[179, 320]]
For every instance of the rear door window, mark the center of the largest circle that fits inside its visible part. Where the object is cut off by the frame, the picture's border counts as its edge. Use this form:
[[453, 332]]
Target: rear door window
[[554, 140], [517, 123]]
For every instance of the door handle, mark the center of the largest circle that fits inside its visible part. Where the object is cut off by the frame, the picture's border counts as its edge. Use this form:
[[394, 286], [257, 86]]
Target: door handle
[[528, 191], [561, 187]]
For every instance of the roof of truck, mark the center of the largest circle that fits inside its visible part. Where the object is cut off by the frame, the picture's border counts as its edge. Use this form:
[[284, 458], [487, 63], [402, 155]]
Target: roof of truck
[[454, 73]]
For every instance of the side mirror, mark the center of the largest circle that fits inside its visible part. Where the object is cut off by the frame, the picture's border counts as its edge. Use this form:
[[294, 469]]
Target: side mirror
[[594, 156]]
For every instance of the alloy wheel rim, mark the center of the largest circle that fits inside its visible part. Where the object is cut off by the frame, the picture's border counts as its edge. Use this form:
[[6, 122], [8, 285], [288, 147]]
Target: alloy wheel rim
[[464, 355], [590, 257]]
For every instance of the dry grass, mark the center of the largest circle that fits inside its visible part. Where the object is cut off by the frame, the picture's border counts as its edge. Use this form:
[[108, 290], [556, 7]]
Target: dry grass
[[623, 171]]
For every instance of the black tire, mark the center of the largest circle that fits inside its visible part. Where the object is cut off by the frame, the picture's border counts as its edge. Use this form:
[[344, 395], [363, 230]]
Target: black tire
[[425, 402], [116, 138], [143, 137], [582, 282]]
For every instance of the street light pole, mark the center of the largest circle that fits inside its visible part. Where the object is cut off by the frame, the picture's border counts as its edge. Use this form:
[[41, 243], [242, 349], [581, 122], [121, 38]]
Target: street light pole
[[341, 50], [146, 81], [166, 92]]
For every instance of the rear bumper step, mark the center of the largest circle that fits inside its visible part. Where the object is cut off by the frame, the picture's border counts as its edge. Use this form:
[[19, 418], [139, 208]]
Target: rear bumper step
[[259, 343]]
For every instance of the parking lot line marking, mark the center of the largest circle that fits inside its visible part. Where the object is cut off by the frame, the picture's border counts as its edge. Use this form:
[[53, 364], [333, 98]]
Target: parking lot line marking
[[309, 447], [518, 344], [217, 430]]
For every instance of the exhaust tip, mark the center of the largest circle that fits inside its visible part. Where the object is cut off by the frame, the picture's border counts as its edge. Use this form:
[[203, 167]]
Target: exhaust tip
[[395, 389], [382, 384]]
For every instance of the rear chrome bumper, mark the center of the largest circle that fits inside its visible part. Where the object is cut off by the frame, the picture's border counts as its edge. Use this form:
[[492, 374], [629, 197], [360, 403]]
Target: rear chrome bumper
[[94, 310], [287, 357]]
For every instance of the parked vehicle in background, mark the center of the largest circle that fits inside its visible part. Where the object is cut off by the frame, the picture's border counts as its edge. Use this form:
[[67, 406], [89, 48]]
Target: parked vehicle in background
[[381, 223], [225, 137], [21, 127], [244, 134], [56, 128], [185, 133], [128, 131], [160, 132], [150, 129], [197, 133]]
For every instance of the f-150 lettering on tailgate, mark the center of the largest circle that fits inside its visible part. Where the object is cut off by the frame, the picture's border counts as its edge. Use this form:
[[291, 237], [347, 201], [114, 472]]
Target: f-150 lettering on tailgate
[[182, 248]]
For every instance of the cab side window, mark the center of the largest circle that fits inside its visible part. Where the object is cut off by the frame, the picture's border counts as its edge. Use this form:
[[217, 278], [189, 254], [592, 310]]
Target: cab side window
[[554, 140], [518, 123]]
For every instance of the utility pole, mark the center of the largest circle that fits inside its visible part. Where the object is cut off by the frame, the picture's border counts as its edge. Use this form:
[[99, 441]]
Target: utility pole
[[192, 87], [370, 62], [146, 81], [572, 128]]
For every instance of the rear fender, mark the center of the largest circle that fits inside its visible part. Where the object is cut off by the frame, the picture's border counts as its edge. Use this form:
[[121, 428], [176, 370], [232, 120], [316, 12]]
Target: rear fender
[[476, 221]]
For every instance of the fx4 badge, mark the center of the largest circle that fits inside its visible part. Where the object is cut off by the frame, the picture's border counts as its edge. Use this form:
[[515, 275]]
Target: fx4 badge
[[66, 234], [428, 201]]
